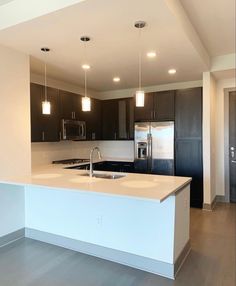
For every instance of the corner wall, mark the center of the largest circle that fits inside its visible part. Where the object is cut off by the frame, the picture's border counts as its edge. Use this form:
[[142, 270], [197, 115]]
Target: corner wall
[[15, 149], [209, 94]]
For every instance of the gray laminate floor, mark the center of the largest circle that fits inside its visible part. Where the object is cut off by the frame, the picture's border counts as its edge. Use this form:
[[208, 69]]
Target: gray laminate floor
[[212, 260]]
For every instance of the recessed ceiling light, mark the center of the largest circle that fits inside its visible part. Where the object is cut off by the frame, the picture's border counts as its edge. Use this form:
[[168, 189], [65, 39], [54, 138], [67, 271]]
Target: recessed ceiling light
[[151, 54], [172, 71], [86, 67], [116, 79]]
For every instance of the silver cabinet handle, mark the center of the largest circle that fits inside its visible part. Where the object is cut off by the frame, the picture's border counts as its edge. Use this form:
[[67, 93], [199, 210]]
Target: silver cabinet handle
[[233, 161], [83, 131], [43, 137], [115, 135], [63, 130]]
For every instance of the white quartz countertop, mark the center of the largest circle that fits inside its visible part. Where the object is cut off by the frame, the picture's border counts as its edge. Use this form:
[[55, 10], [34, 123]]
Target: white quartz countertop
[[140, 186]]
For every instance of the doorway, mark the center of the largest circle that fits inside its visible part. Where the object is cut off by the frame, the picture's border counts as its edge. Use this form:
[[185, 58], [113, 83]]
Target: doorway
[[232, 146]]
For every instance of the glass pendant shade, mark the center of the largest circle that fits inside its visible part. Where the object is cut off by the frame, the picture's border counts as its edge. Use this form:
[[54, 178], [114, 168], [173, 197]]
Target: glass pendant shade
[[86, 103], [139, 98], [46, 107]]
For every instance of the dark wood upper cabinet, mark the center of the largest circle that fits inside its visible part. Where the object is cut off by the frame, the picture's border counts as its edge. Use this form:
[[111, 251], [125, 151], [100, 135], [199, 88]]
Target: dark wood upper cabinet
[[145, 113], [118, 119], [109, 119], [93, 120], [36, 97], [44, 127], [188, 114], [71, 107], [158, 106], [125, 119], [164, 105]]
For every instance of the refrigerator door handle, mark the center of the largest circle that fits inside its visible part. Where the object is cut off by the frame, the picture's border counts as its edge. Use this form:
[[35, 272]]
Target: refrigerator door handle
[[149, 139]]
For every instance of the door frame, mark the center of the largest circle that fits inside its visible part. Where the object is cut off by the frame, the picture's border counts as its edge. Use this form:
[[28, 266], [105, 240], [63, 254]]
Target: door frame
[[226, 141]]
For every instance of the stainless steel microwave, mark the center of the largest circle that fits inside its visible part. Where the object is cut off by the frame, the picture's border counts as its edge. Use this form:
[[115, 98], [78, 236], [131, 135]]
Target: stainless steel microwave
[[73, 130]]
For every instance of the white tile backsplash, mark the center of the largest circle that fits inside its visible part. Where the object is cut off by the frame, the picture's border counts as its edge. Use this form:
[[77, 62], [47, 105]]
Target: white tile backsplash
[[117, 149], [45, 153]]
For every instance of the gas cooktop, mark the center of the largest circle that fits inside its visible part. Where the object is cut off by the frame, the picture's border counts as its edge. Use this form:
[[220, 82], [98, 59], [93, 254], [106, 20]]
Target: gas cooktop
[[71, 161]]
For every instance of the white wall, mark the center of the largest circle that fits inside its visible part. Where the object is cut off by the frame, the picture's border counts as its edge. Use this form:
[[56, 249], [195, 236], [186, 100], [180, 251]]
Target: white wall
[[18, 11], [15, 152], [39, 79], [222, 136], [117, 149], [122, 93], [209, 94], [45, 153]]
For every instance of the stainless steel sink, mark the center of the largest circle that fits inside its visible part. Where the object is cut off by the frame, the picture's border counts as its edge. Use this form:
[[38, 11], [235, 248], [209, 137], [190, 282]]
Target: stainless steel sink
[[104, 176]]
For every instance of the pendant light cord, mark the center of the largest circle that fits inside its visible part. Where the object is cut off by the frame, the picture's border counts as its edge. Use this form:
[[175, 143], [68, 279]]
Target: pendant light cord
[[85, 71], [140, 61], [45, 80], [85, 83]]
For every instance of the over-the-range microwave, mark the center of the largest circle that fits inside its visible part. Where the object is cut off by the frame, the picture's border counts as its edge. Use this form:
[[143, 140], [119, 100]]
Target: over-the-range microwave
[[73, 130]]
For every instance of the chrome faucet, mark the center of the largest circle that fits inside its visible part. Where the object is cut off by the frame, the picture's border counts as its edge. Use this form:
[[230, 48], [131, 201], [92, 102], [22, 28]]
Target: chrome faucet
[[91, 159]]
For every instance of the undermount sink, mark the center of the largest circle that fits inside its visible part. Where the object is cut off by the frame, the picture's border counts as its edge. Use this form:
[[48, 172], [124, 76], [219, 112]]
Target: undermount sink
[[104, 176]]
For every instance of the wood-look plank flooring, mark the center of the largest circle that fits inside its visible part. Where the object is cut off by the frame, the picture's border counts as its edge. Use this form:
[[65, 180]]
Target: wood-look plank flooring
[[212, 261]]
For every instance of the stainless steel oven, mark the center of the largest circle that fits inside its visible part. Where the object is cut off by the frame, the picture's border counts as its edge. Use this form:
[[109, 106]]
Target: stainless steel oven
[[73, 130]]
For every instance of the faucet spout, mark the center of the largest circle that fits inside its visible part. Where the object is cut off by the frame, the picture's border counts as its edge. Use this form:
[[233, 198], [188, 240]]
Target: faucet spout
[[91, 159]]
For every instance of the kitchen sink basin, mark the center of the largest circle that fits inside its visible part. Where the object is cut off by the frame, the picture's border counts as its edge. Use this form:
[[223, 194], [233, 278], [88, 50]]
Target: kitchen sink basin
[[104, 176]]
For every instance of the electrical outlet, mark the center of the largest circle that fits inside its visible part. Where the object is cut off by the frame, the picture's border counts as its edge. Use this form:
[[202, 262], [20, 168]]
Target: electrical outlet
[[99, 220]]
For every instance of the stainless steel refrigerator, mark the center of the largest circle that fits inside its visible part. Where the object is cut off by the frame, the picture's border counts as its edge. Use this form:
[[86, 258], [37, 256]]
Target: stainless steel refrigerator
[[154, 147]]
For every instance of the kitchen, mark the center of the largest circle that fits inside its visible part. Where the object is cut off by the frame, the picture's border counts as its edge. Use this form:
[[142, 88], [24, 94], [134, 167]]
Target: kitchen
[[187, 100]]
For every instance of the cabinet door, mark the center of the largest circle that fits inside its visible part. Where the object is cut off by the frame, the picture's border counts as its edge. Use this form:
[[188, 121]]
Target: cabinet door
[[189, 164], [109, 119], [36, 97], [70, 105], [44, 127], [164, 105], [188, 113], [145, 113], [51, 122], [130, 118], [93, 120], [125, 119]]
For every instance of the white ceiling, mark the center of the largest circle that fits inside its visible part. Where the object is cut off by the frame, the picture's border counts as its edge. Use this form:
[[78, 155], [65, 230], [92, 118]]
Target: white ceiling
[[113, 47], [214, 21], [2, 2]]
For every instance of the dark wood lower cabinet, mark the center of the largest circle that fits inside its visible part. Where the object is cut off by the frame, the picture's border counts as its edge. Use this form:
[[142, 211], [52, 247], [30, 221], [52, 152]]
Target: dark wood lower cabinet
[[188, 163]]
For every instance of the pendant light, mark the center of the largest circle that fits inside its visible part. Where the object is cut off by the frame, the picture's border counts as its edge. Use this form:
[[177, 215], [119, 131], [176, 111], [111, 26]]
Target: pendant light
[[86, 101], [46, 105], [139, 95]]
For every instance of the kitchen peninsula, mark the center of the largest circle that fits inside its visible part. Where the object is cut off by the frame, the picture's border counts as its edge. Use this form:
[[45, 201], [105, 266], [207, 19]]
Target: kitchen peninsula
[[138, 220]]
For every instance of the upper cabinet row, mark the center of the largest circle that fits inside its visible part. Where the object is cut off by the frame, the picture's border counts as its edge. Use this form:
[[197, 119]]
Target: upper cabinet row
[[112, 119], [159, 106], [107, 120]]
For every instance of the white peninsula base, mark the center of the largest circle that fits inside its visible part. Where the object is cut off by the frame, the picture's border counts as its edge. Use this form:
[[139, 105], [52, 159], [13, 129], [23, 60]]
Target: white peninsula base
[[149, 232]]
